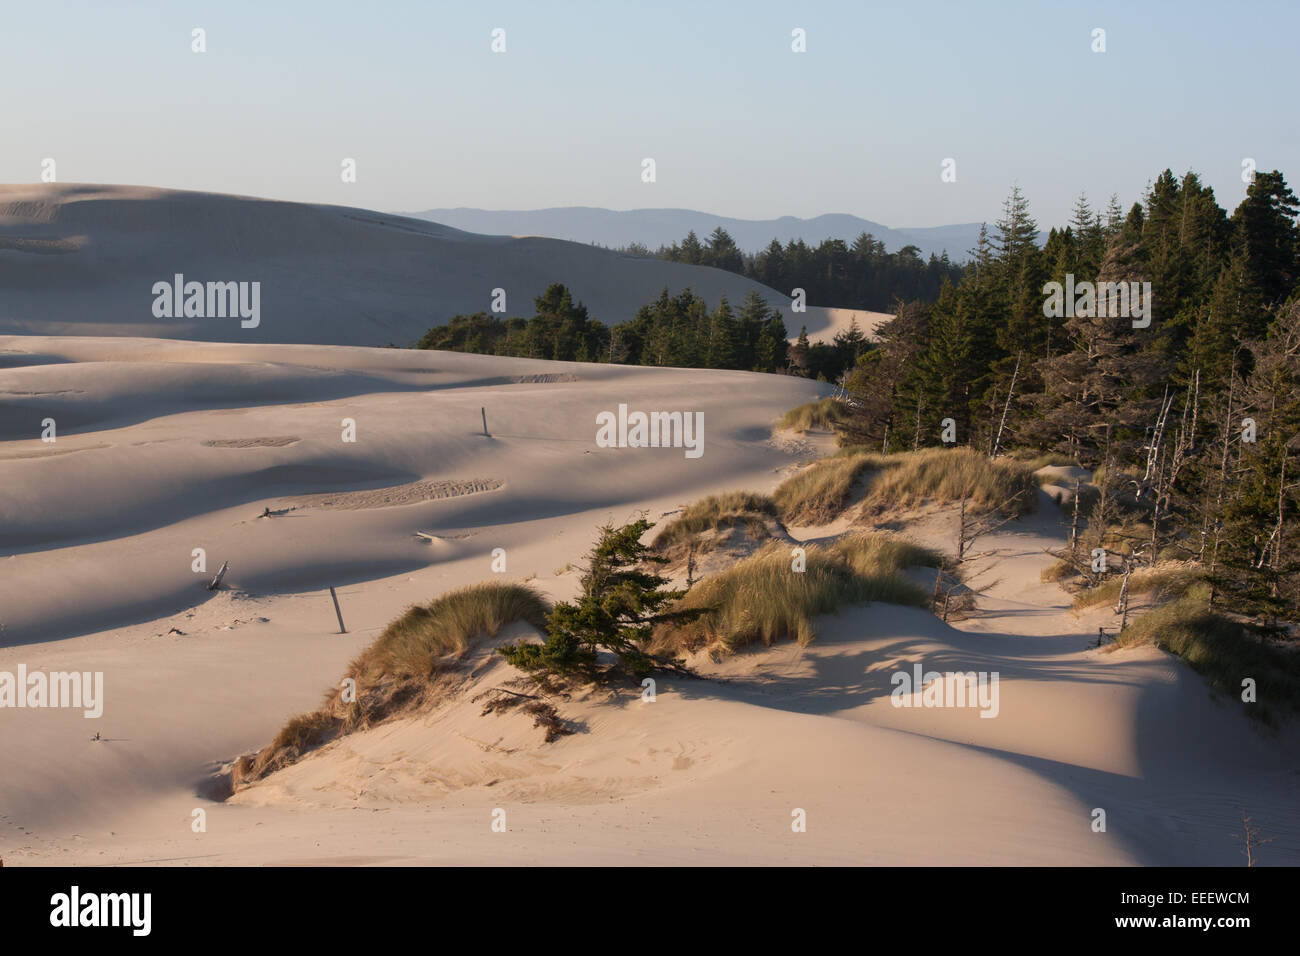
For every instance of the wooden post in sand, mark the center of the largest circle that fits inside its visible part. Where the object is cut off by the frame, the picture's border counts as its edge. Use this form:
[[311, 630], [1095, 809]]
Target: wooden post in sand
[[216, 582], [1074, 523], [484, 413], [337, 612]]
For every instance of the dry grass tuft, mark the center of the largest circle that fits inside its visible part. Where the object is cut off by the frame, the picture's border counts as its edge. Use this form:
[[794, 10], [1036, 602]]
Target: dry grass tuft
[[820, 492], [1168, 579], [825, 413], [400, 671], [1223, 651], [718, 513], [762, 599], [1034, 462]]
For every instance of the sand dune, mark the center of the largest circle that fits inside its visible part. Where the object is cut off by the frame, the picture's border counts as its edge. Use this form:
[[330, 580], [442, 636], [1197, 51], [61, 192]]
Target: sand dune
[[146, 485], [824, 324], [328, 274], [99, 577]]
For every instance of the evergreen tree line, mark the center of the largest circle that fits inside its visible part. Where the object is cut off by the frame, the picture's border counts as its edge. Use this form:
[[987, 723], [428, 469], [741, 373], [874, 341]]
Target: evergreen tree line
[[861, 275], [1194, 420], [674, 330]]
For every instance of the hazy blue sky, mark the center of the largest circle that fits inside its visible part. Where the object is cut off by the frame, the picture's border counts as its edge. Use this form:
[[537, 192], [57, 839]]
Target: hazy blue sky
[[737, 123]]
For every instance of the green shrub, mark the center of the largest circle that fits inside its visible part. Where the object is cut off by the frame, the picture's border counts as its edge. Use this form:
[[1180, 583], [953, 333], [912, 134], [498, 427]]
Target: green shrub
[[620, 605]]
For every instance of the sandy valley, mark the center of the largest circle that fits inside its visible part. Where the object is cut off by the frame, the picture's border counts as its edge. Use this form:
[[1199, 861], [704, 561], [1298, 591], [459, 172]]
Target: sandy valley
[[164, 447]]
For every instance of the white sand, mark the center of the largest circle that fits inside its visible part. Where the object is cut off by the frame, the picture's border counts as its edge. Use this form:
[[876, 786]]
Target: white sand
[[100, 537], [824, 324]]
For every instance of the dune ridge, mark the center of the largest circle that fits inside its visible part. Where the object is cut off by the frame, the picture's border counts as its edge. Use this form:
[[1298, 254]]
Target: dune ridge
[[328, 274]]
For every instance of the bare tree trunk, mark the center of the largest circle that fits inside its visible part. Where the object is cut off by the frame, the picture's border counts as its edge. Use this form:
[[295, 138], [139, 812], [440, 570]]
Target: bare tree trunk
[[997, 442], [1121, 607], [993, 410], [1223, 477], [1275, 560], [1074, 522], [961, 534]]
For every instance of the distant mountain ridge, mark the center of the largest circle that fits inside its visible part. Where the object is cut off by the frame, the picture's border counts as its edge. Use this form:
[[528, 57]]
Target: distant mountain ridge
[[663, 227]]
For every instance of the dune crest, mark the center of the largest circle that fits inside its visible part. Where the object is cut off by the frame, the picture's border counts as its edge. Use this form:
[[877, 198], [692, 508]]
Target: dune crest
[[327, 274]]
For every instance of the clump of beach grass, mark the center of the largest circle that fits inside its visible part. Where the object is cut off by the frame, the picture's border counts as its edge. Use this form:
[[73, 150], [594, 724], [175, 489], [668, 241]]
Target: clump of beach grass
[[820, 492], [1167, 580], [816, 494], [718, 513], [400, 670], [1059, 570], [825, 413], [762, 599], [1222, 650], [1054, 459], [419, 642]]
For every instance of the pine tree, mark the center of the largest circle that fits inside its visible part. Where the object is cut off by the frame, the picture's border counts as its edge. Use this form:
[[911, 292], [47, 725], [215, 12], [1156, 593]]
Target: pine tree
[[1088, 239], [1017, 232], [619, 606], [749, 332], [876, 383], [774, 346], [724, 346], [939, 380], [799, 353], [692, 252], [1097, 395], [1114, 218], [1257, 571], [769, 266], [1267, 238], [722, 252]]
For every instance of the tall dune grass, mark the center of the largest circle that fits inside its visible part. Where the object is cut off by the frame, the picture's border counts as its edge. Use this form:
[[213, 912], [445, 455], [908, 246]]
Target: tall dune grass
[[825, 413], [1223, 651], [1034, 462], [820, 492], [399, 670], [717, 512], [414, 645], [762, 599], [1168, 579]]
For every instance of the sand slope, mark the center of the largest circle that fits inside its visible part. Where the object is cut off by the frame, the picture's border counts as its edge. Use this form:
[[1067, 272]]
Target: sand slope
[[166, 447], [329, 274], [170, 446]]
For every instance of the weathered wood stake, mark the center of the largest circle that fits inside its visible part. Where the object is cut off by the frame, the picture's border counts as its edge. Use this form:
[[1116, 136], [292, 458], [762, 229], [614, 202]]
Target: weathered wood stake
[[337, 612], [216, 582], [484, 413]]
